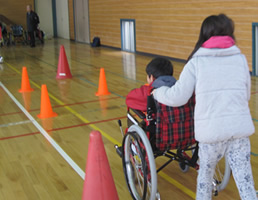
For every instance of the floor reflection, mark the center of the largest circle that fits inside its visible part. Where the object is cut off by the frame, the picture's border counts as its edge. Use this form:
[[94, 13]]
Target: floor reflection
[[129, 65]]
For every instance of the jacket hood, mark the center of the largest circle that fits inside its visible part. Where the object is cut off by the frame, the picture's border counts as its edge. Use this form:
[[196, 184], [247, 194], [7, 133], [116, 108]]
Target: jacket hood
[[217, 52], [168, 81]]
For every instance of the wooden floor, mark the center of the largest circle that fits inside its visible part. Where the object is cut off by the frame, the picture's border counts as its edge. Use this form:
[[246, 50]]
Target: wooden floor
[[30, 168]]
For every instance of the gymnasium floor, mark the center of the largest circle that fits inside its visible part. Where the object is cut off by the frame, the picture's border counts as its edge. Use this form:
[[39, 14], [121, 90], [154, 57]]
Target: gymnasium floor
[[31, 168]]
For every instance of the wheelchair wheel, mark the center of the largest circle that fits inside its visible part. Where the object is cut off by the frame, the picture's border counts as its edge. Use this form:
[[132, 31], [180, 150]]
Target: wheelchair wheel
[[221, 176], [139, 164], [183, 167]]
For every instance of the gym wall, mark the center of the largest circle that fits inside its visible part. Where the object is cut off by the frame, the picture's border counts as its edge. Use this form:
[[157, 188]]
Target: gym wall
[[71, 19], [45, 12], [170, 27], [15, 10]]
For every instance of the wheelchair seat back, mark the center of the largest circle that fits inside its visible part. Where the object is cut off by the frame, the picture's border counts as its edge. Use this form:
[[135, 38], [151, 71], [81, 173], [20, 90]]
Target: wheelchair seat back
[[166, 127], [17, 30], [175, 126]]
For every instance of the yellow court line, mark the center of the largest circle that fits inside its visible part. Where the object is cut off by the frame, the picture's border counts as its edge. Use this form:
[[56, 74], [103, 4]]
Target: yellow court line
[[177, 184], [107, 136]]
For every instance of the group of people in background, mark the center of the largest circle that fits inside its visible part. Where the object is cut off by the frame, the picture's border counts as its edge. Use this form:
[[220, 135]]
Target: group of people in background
[[32, 20]]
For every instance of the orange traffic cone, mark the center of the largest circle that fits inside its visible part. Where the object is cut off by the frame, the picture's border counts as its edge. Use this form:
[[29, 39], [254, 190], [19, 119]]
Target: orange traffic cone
[[103, 90], [98, 183], [45, 108], [63, 70], [25, 83]]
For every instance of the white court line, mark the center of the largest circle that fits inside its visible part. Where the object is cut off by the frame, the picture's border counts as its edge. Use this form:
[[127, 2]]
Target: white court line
[[45, 134], [15, 123]]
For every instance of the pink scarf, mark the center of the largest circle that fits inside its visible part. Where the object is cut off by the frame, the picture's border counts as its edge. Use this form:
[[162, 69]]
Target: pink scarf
[[221, 42]]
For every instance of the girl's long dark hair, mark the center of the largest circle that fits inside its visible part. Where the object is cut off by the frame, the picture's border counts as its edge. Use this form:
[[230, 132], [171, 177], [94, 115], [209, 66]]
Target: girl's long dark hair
[[214, 25]]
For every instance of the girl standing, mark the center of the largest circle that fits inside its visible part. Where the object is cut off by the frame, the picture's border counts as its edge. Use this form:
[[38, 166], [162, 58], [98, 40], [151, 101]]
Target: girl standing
[[219, 75]]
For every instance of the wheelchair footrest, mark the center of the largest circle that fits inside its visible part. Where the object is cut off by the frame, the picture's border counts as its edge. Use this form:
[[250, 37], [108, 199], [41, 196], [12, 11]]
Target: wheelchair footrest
[[118, 150]]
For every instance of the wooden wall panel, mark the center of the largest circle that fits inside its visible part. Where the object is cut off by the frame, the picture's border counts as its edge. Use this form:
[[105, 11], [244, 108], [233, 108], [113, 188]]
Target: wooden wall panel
[[170, 27], [15, 10], [71, 19]]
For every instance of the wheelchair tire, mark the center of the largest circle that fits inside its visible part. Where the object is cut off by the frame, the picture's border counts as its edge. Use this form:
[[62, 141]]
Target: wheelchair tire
[[221, 176], [182, 165], [139, 164]]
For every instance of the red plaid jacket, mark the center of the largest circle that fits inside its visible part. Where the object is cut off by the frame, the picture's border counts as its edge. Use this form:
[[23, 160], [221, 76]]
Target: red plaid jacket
[[175, 126]]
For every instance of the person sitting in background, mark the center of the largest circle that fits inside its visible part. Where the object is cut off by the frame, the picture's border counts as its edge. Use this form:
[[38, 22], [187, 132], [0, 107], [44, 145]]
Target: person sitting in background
[[159, 73], [174, 127]]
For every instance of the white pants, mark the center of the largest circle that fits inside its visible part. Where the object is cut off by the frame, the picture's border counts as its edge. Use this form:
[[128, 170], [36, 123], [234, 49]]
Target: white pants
[[237, 152]]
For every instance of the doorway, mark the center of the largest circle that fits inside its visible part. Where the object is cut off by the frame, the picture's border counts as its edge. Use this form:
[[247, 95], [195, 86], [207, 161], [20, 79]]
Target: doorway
[[128, 35], [255, 49], [62, 19], [81, 15]]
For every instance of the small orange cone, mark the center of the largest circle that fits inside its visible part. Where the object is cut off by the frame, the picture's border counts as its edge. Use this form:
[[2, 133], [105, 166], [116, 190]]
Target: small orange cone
[[63, 70], [103, 89], [98, 183], [25, 83], [45, 108]]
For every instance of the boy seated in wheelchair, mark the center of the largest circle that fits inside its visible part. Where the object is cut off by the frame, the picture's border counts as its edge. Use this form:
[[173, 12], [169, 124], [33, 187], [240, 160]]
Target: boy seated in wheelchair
[[167, 127]]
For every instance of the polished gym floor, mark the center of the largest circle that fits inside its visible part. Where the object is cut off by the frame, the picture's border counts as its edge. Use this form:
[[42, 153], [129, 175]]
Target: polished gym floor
[[31, 167]]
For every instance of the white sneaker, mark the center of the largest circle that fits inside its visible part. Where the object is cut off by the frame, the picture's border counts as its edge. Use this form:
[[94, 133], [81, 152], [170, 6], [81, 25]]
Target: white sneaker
[[1, 59]]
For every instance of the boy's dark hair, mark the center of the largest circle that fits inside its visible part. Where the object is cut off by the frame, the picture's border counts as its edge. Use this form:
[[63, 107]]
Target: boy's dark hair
[[159, 67]]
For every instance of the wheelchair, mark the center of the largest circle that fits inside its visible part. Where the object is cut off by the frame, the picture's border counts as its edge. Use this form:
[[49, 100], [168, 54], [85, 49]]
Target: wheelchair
[[140, 148], [18, 35]]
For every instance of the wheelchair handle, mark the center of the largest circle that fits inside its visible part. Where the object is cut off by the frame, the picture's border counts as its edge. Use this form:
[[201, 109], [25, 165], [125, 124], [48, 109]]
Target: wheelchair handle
[[120, 126], [119, 122]]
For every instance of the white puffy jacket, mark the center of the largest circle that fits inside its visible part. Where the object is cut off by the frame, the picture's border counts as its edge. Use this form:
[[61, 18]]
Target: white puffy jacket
[[221, 81]]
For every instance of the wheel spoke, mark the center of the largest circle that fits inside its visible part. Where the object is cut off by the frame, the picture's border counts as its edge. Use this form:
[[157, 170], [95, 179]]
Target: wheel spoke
[[221, 175], [140, 172]]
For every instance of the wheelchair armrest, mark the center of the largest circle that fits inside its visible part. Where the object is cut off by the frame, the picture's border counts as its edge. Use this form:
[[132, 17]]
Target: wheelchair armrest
[[139, 113]]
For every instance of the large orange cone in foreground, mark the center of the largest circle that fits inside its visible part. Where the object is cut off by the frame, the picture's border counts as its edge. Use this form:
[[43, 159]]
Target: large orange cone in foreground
[[63, 70], [98, 183], [25, 83], [103, 89], [45, 108]]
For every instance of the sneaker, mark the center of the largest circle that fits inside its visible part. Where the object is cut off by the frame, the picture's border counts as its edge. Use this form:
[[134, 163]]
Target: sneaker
[[1, 59]]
